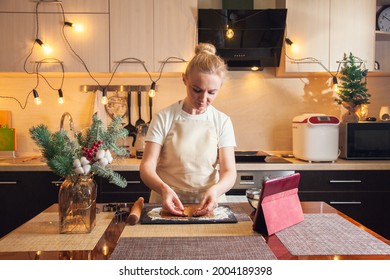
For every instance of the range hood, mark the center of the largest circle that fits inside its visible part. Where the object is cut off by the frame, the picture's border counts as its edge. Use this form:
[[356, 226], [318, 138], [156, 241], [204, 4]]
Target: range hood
[[258, 35]]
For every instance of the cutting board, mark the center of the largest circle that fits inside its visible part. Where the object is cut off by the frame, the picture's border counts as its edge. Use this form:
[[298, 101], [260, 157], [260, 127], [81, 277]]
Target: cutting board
[[153, 215], [5, 119], [7, 139]]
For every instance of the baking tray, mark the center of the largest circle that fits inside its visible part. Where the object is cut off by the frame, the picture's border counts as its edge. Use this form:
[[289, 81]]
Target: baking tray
[[250, 156], [151, 215]]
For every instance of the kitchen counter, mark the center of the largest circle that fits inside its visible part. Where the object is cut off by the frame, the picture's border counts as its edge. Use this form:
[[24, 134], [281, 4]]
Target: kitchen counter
[[132, 164], [108, 241]]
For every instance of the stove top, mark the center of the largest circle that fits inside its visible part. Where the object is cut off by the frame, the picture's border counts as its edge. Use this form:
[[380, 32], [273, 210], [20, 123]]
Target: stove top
[[257, 157]]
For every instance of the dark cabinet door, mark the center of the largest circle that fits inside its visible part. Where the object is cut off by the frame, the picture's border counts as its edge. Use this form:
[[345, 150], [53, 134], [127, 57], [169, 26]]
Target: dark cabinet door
[[111, 193], [11, 202], [23, 195]]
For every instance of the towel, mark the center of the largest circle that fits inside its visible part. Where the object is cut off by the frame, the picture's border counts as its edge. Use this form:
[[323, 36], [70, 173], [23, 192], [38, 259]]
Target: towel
[[99, 108]]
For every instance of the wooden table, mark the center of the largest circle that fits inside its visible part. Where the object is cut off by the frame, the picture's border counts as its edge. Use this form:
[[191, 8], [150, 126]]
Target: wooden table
[[108, 241]]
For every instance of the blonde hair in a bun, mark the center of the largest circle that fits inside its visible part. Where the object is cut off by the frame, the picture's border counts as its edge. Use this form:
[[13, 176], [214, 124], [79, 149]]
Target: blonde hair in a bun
[[206, 61], [205, 47]]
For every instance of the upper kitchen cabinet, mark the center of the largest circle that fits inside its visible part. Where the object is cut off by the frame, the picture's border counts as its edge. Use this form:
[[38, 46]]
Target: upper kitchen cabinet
[[20, 26], [326, 29], [70, 6], [351, 30], [131, 29], [152, 31], [175, 32]]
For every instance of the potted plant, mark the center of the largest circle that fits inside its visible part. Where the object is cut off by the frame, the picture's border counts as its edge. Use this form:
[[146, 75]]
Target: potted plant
[[353, 93]]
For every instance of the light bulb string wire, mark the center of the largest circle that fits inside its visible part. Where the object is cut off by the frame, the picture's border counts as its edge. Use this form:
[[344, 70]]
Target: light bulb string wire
[[38, 64], [22, 106], [55, 60], [72, 49], [162, 67], [85, 65]]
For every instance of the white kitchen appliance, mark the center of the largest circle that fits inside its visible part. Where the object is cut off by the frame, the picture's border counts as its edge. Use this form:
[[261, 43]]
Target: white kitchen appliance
[[316, 137], [384, 113]]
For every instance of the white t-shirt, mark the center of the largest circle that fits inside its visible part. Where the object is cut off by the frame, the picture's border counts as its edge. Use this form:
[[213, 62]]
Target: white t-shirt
[[162, 122]]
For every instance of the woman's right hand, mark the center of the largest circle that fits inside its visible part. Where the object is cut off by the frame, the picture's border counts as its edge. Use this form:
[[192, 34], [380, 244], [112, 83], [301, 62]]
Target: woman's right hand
[[172, 203]]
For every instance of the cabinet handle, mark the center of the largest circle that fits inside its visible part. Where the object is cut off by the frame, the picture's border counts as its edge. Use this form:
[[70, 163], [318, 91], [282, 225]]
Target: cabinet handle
[[344, 181], [8, 183], [57, 182], [247, 183], [134, 182], [345, 202]]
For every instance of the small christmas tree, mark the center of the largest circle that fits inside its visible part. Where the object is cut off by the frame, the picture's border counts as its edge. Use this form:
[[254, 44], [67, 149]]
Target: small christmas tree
[[353, 91]]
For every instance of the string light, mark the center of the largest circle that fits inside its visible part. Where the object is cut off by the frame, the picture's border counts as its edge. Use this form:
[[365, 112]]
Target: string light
[[60, 97], [37, 100], [46, 48], [294, 47], [76, 26], [104, 98], [335, 84], [229, 32], [152, 91]]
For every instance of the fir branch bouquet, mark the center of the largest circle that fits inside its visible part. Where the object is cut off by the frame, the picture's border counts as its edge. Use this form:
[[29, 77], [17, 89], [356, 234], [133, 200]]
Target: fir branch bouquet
[[84, 154], [353, 90]]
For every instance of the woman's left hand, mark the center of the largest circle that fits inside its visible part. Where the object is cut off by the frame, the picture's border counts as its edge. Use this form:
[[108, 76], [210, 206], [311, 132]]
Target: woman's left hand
[[208, 203]]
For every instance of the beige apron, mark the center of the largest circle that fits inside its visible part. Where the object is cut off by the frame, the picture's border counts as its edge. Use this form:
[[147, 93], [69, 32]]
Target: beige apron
[[188, 160]]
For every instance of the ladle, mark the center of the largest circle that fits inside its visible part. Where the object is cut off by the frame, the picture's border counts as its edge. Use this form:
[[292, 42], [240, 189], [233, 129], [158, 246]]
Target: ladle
[[129, 127], [140, 120]]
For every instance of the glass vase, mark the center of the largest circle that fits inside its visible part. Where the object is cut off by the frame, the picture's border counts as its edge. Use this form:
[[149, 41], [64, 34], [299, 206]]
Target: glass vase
[[77, 204]]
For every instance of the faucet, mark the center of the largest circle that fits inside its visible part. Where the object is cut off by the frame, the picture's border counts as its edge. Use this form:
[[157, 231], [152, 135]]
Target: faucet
[[70, 121]]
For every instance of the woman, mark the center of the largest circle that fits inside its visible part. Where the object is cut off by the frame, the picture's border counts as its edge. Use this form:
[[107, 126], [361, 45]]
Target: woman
[[187, 140]]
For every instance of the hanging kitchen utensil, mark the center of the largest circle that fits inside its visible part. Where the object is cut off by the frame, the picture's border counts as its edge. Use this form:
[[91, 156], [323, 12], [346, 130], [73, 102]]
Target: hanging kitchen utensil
[[150, 109], [140, 120], [129, 127], [116, 106]]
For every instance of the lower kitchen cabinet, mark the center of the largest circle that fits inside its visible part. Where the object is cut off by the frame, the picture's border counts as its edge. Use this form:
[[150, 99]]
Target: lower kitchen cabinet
[[111, 193], [362, 195], [23, 195]]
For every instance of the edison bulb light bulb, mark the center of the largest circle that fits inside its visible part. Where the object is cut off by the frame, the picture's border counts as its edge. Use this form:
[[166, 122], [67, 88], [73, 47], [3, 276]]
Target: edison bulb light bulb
[[37, 101], [47, 49], [335, 88], [104, 100], [61, 100], [152, 93], [294, 48], [230, 33], [78, 27]]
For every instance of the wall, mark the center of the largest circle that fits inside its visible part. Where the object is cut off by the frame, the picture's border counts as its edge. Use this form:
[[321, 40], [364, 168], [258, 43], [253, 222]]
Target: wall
[[260, 104]]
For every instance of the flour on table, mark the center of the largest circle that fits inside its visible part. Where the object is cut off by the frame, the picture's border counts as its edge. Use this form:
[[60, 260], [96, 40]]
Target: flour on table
[[220, 213]]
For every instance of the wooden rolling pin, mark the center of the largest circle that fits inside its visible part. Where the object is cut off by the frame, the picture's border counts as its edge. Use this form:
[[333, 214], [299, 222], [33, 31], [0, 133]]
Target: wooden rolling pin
[[135, 212]]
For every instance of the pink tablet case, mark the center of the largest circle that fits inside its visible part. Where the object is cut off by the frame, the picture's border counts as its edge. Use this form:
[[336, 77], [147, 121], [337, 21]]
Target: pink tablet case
[[279, 205]]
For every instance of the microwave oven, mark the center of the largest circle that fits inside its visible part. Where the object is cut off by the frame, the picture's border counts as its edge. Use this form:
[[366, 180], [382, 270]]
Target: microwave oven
[[364, 140]]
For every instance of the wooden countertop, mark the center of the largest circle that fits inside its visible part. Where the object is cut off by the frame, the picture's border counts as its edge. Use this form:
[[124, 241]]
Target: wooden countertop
[[108, 240], [132, 164]]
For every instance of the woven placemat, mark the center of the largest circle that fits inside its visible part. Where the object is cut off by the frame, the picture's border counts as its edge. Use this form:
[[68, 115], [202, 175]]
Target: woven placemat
[[42, 234], [184, 230], [330, 234], [193, 248]]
